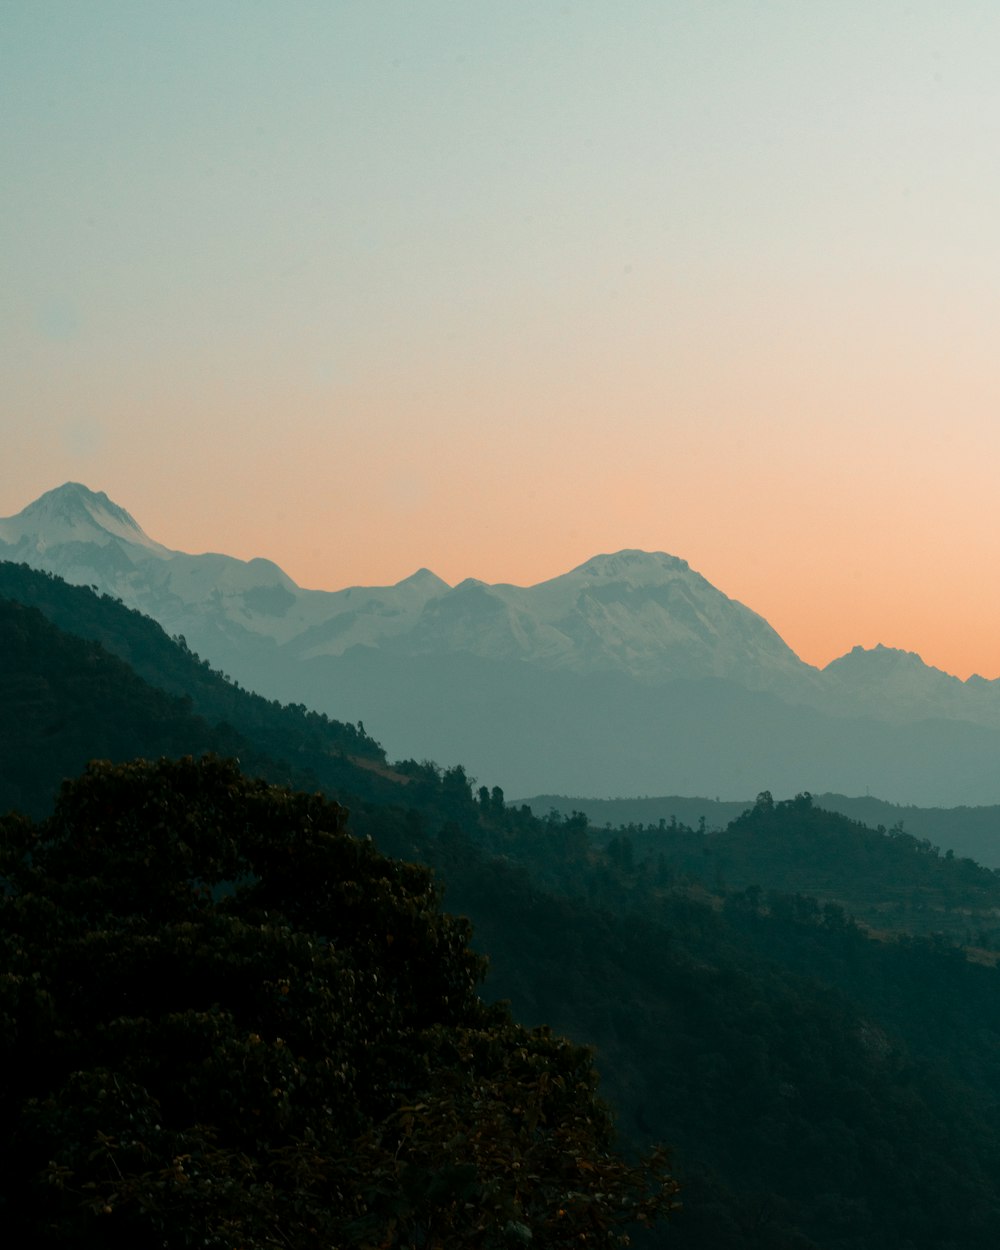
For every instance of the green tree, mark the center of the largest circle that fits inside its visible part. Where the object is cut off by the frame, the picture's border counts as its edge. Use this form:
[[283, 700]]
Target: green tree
[[225, 1022]]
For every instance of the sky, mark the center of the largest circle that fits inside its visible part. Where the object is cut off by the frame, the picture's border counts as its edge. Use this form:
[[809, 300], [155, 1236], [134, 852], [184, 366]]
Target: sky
[[363, 286]]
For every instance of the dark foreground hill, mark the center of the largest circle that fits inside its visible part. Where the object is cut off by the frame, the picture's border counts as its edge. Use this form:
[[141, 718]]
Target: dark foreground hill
[[225, 1021], [818, 1088]]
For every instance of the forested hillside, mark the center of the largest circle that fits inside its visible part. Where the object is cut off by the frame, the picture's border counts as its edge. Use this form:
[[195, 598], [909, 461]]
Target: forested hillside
[[84, 676], [170, 665], [792, 1005], [887, 878]]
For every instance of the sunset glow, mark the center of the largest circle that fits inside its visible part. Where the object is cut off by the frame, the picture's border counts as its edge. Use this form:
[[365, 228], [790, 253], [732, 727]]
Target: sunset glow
[[491, 289]]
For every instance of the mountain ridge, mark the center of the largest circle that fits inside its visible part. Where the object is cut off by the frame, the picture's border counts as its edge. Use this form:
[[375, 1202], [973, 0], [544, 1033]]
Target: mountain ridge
[[645, 613], [631, 673]]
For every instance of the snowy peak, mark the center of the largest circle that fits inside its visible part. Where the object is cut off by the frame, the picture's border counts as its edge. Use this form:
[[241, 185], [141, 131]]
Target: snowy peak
[[627, 577], [425, 581], [643, 615], [635, 568], [879, 658], [74, 514], [650, 616], [887, 683], [875, 668]]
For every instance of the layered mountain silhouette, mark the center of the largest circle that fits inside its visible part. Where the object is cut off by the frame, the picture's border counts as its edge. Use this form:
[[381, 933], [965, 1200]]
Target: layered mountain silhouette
[[758, 1029], [630, 674]]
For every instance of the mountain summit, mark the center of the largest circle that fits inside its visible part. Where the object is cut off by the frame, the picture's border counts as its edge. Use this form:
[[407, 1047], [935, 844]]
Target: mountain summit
[[74, 514], [637, 568]]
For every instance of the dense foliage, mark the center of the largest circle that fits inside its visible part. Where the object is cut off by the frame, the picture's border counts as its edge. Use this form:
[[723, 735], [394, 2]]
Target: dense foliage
[[225, 1021]]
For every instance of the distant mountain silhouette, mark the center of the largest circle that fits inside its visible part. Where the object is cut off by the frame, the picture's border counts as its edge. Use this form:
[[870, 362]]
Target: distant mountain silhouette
[[630, 674]]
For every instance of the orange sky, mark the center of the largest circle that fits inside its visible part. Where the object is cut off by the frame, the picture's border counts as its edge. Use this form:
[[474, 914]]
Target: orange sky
[[370, 287]]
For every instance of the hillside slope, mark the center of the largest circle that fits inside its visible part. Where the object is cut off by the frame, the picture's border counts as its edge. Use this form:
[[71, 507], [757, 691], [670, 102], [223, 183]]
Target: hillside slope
[[816, 1084]]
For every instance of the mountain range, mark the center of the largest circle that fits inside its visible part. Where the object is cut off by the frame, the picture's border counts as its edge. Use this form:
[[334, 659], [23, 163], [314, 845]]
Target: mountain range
[[630, 674]]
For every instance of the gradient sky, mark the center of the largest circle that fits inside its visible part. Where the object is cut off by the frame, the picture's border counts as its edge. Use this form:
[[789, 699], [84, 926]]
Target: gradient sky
[[363, 286]]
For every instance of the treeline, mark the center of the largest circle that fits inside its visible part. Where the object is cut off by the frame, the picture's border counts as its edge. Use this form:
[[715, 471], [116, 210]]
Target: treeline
[[887, 878], [965, 831]]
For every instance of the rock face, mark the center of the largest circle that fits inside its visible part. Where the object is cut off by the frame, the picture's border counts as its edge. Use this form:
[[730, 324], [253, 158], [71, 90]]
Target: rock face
[[630, 673]]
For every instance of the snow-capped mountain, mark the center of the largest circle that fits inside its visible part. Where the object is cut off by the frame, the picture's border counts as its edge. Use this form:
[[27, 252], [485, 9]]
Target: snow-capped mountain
[[896, 685], [648, 616], [69, 522], [218, 602], [644, 615], [629, 674]]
